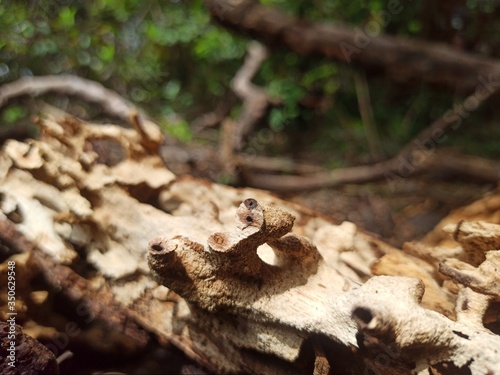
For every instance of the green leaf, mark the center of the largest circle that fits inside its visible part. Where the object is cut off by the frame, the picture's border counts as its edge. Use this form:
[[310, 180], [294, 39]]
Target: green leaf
[[322, 72], [286, 90], [180, 130], [67, 17], [276, 120], [13, 114], [171, 89], [107, 53]]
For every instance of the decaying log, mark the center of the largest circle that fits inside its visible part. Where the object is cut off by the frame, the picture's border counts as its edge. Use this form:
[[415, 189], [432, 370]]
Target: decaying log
[[282, 290], [301, 291]]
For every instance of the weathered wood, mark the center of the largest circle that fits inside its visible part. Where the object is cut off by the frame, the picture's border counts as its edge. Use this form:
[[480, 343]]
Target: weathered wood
[[28, 356], [282, 290]]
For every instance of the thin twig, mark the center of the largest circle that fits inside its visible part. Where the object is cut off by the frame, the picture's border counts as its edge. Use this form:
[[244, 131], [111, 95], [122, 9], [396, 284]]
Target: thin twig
[[367, 117], [66, 355]]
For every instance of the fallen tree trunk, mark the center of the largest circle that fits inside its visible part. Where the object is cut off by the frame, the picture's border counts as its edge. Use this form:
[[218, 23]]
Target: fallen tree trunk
[[282, 290]]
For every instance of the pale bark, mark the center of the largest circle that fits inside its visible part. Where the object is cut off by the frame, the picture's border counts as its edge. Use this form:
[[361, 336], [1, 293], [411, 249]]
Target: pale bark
[[282, 290]]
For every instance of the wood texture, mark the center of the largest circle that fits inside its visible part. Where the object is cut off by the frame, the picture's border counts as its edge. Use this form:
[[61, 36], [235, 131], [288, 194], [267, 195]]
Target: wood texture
[[275, 289]]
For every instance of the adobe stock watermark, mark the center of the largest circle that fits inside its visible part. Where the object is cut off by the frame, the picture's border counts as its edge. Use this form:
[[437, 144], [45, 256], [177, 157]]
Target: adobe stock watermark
[[57, 344], [363, 37], [262, 140], [71, 329], [423, 148], [11, 313]]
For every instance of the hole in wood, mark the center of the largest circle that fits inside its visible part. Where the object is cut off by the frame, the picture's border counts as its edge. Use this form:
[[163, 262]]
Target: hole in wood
[[157, 247], [266, 254]]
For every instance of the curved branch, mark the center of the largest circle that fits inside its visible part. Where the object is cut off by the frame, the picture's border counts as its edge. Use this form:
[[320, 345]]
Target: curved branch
[[255, 99], [91, 91], [394, 171]]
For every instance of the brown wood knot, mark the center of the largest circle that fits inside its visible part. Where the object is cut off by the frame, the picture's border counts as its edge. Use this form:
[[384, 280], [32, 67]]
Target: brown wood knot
[[219, 242], [218, 238]]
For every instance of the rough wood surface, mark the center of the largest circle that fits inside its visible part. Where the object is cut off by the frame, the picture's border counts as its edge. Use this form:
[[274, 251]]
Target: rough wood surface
[[278, 290], [32, 357]]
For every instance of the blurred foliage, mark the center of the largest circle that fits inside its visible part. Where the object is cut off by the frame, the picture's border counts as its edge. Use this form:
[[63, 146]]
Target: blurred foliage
[[158, 54], [168, 57]]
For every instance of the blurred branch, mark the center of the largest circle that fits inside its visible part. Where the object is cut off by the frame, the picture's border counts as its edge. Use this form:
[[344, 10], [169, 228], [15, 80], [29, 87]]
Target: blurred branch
[[449, 120], [400, 59], [268, 164], [255, 103], [255, 99], [325, 179], [90, 91], [417, 156], [227, 147], [366, 112], [439, 162]]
